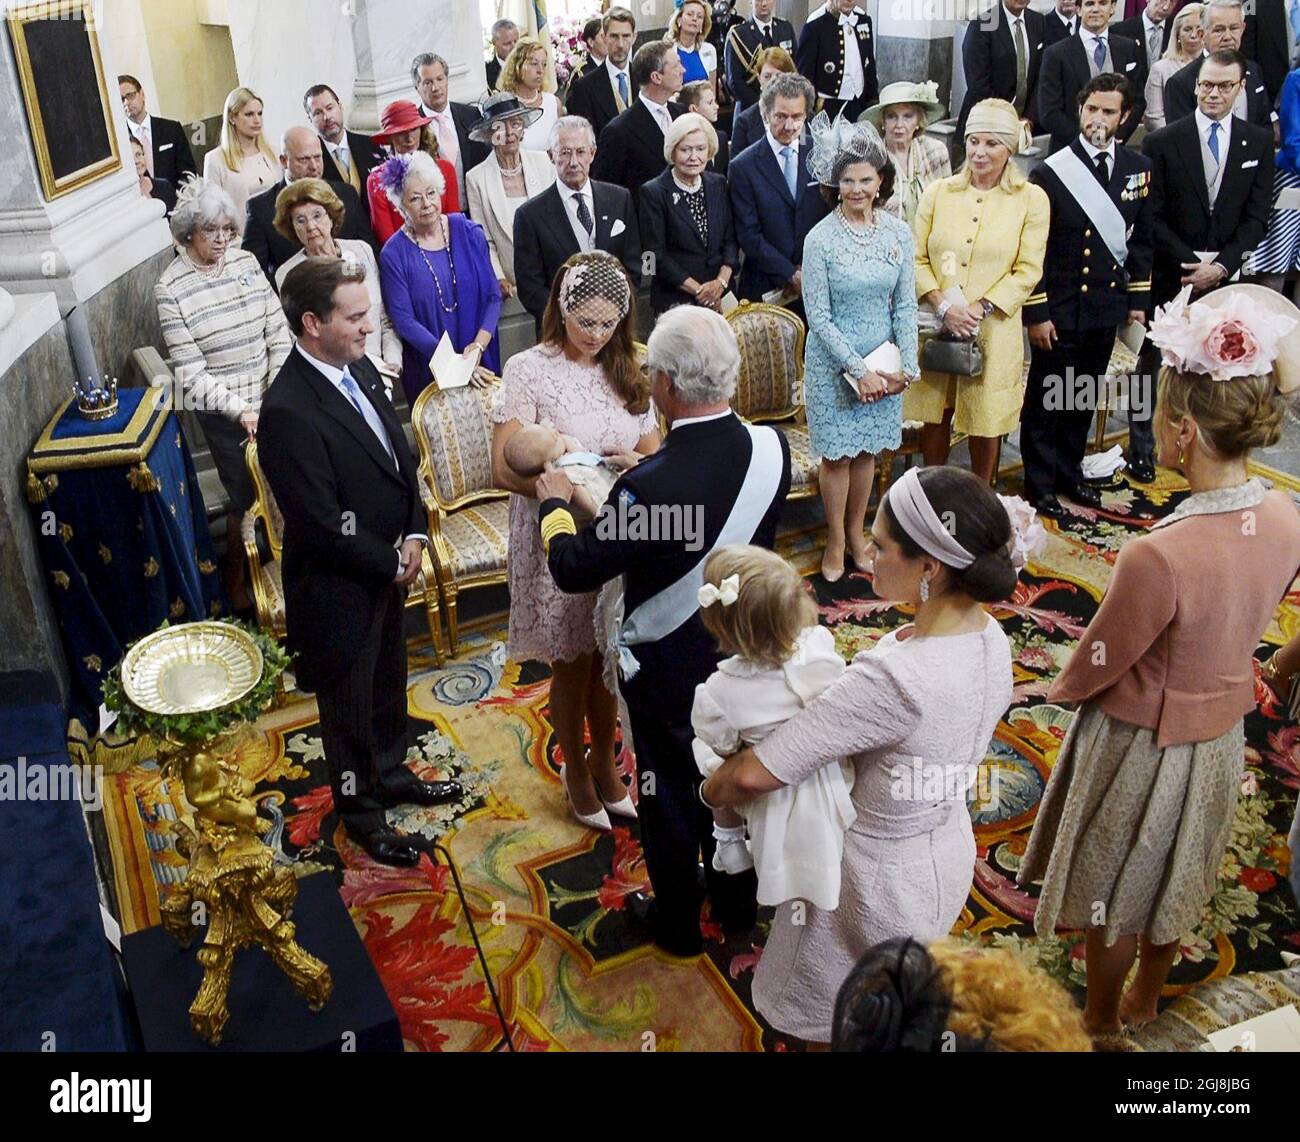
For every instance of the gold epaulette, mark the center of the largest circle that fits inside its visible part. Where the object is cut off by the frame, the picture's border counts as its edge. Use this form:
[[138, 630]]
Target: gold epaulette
[[559, 522]]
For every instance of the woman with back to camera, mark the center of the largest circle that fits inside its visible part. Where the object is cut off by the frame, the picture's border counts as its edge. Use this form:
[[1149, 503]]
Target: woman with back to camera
[[1137, 814], [915, 714]]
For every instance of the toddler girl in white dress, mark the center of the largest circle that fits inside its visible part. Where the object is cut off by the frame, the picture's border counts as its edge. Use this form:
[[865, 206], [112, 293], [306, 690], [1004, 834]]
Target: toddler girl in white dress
[[758, 609]]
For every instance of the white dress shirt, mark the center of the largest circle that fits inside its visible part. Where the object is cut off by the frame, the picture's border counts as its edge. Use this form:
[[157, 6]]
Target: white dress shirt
[[1093, 152], [1149, 27], [569, 196], [1213, 171], [658, 111], [613, 73], [777, 147]]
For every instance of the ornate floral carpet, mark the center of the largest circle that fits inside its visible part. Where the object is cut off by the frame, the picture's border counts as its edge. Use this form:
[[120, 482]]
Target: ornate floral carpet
[[547, 896]]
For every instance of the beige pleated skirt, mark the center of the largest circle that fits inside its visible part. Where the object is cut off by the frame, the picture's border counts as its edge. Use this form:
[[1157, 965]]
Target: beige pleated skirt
[[1129, 838]]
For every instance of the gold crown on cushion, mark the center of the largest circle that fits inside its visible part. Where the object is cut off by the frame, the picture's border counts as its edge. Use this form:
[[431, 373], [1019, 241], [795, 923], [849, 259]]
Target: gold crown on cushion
[[96, 403]]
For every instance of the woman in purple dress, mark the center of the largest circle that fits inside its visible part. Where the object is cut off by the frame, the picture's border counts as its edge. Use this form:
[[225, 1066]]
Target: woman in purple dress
[[436, 274]]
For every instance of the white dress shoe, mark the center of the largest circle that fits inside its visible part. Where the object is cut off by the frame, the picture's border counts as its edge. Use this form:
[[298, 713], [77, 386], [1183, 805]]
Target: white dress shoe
[[597, 820]]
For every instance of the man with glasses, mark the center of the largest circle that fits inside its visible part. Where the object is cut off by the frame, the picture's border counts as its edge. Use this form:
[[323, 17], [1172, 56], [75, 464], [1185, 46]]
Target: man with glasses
[[1224, 27], [167, 153], [774, 200], [574, 215], [1212, 189]]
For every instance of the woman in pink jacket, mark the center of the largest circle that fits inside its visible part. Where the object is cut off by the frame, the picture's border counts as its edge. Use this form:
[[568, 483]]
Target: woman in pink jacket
[[1138, 811]]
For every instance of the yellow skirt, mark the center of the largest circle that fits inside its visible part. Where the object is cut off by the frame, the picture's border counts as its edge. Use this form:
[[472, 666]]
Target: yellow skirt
[[987, 405]]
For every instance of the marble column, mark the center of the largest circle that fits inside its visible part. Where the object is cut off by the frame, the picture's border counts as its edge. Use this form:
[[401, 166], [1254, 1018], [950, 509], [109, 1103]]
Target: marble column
[[389, 34]]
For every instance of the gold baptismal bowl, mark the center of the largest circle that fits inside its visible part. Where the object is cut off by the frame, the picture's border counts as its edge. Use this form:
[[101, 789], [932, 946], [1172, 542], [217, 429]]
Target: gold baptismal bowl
[[191, 669]]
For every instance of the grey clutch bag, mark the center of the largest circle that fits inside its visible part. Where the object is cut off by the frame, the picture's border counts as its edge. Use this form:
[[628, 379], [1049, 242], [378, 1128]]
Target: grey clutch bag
[[944, 353]]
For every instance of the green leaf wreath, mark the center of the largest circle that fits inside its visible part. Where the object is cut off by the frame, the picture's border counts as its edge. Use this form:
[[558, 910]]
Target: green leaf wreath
[[205, 727]]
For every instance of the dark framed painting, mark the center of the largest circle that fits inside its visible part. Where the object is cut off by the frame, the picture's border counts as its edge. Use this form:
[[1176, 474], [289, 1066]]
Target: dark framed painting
[[56, 47]]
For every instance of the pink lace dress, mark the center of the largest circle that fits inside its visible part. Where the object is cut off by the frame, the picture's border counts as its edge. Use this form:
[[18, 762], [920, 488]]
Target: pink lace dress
[[542, 386]]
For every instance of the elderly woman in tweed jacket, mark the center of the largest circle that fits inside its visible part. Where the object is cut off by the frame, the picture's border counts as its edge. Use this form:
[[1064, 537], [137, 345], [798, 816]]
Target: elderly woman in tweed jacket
[[226, 336]]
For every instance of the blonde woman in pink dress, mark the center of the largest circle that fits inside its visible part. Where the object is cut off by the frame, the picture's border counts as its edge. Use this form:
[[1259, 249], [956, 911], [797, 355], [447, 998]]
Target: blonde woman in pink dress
[[915, 715], [583, 379]]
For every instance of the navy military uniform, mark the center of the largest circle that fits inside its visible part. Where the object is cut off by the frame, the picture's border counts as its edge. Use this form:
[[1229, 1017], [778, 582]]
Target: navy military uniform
[[746, 41], [820, 58], [1087, 297], [701, 467]]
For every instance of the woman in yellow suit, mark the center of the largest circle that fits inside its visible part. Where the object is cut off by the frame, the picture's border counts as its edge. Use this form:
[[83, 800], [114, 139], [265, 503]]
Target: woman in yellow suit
[[984, 231]]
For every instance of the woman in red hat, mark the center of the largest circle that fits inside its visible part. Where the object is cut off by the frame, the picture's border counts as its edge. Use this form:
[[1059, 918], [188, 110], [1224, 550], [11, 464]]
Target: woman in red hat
[[406, 130]]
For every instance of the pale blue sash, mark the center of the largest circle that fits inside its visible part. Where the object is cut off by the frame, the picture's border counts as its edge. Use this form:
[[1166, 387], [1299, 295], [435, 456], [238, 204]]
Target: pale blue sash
[[663, 613], [1081, 181]]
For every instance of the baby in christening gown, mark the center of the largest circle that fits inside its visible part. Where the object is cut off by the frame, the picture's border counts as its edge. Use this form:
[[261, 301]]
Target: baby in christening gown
[[530, 449], [755, 604]]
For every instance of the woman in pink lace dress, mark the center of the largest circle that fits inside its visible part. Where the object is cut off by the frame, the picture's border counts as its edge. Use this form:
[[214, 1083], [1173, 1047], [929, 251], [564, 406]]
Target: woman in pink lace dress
[[583, 380], [915, 715]]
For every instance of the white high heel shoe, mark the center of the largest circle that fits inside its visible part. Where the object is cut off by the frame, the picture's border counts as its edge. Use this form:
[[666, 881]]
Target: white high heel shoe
[[596, 820], [624, 808]]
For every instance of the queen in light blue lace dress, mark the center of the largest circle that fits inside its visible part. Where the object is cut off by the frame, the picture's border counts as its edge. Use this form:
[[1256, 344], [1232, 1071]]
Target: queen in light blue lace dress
[[859, 290]]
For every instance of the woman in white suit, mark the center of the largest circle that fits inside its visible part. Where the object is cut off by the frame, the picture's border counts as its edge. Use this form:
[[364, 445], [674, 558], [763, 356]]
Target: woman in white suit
[[505, 180]]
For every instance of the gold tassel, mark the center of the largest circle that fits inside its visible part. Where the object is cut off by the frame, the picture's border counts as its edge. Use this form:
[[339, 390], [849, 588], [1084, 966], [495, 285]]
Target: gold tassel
[[35, 489], [141, 479]]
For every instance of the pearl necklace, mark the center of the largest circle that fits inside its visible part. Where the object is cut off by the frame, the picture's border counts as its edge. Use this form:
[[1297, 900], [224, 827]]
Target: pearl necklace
[[862, 236], [510, 172]]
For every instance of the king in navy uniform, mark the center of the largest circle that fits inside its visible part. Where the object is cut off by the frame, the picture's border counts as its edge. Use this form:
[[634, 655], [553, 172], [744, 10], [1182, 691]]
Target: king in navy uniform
[[837, 55], [746, 41], [728, 480], [1096, 277]]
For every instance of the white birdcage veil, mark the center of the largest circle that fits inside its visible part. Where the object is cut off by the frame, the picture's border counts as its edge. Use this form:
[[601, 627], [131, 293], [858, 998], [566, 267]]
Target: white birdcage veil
[[839, 143], [599, 276]]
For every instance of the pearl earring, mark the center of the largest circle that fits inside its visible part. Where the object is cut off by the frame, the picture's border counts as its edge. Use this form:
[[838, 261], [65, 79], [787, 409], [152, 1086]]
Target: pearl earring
[[925, 589]]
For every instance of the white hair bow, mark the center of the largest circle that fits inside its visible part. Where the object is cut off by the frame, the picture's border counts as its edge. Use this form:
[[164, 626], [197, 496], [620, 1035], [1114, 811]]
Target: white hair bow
[[726, 592]]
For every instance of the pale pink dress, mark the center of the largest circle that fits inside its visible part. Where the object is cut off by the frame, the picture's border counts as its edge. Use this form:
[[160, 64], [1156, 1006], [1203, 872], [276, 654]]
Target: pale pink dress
[[542, 386], [901, 709]]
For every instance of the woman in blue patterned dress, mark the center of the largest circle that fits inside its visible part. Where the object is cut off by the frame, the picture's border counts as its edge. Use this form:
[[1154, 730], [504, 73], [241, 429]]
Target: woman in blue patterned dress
[[859, 293]]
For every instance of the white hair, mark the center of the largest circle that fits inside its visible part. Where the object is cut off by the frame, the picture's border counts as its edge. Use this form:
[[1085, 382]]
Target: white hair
[[416, 163], [685, 125], [698, 351], [570, 123], [201, 203], [1207, 10]]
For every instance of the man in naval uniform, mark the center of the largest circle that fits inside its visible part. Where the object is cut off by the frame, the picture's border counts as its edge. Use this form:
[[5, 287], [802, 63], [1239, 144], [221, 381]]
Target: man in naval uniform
[[730, 479], [746, 42], [837, 55], [1096, 277]]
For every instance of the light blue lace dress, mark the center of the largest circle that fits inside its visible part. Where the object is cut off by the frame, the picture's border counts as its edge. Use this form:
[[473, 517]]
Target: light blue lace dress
[[859, 291]]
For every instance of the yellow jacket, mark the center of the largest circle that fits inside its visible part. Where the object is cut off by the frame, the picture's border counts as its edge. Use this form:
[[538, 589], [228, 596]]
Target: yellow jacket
[[991, 243]]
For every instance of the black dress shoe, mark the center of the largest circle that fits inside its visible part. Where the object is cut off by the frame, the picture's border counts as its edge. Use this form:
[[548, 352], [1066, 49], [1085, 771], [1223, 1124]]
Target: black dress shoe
[[388, 847], [417, 792], [1142, 469], [1085, 496], [642, 911], [1049, 506]]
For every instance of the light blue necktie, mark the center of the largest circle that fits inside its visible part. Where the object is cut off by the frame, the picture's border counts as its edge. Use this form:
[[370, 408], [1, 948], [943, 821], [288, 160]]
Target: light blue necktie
[[790, 168], [622, 85], [1295, 19], [1099, 53], [1214, 142], [367, 411]]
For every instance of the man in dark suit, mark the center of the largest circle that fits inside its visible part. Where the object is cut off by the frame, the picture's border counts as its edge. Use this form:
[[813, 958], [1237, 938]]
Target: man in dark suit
[[166, 149], [837, 55], [1061, 22], [608, 91], [747, 125], [333, 451], [1150, 29], [349, 157], [632, 145], [1212, 190], [774, 200], [505, 34], [593, 36], [1069, 64], [301, 157], [1000, 56], [713, 470], [575, 214], [745, 44], [452, 122], [1270, 41], [1225, 27], [1096, 277]]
